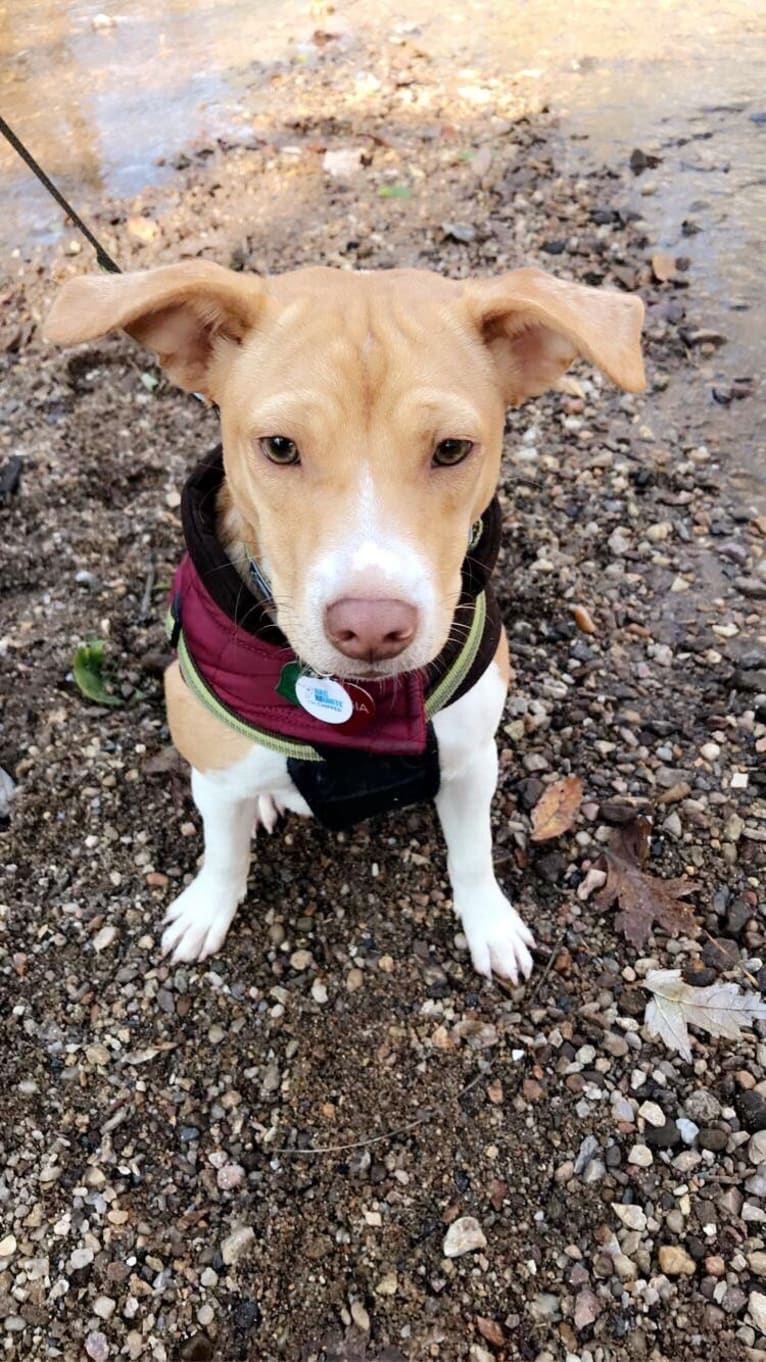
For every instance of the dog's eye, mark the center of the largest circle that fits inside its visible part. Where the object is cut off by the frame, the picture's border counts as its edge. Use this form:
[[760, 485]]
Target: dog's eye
[[278, 449], [450, 452]]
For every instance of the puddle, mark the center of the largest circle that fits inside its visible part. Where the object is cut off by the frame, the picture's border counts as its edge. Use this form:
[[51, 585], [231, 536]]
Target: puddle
[[108, 94]]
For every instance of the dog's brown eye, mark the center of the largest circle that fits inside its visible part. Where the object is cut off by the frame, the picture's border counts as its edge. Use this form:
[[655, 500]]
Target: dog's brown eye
[[279, 449], [450, 452]]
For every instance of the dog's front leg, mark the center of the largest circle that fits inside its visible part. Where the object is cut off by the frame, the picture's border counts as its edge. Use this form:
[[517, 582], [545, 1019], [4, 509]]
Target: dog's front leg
[[497, 937], [200, 917]]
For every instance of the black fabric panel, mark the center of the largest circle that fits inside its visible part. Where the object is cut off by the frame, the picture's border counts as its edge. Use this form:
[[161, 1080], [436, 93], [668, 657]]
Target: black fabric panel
[[347, 787]]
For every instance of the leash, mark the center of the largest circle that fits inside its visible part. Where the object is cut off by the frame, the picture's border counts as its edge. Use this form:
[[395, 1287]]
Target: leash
[[102, 256]]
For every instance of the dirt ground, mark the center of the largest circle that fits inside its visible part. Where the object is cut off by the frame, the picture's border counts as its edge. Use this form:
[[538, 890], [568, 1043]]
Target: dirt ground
[[259, 1158]]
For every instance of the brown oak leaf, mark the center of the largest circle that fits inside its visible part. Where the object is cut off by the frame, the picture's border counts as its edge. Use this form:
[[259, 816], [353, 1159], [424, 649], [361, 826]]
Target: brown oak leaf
[[557, 808], [644, 899]]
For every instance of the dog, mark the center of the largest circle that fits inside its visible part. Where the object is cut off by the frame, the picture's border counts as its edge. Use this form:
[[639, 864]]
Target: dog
[[339, 650]]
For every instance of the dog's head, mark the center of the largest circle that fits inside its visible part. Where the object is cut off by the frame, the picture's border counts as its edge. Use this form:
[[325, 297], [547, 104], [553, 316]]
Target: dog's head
[[362, 419]]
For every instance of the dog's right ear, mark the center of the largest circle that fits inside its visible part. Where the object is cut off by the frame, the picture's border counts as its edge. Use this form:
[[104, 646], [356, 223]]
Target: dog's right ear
[[188, 313]]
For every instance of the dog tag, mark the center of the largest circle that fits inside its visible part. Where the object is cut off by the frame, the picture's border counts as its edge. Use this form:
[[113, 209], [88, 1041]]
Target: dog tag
[[324, 699]]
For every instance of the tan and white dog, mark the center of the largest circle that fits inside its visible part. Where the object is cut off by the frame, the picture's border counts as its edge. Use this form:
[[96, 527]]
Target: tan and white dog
[[362, 421]]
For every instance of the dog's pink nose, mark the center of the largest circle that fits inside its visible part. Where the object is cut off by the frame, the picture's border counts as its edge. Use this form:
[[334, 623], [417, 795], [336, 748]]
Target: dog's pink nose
[[371, 630]]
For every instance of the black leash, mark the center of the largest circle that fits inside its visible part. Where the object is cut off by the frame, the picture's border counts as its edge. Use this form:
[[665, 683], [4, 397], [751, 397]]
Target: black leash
[[102, 256]]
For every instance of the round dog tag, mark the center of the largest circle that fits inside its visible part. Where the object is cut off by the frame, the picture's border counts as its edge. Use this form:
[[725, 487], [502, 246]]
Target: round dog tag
[[324, 699]]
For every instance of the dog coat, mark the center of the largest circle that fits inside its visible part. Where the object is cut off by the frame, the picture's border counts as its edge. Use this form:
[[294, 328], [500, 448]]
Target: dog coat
[[236, 660]]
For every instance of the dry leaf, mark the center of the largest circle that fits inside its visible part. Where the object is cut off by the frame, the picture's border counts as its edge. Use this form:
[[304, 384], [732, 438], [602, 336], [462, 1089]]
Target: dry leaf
[[663, 266], [644, 899], [557, 808], [721, 1009]]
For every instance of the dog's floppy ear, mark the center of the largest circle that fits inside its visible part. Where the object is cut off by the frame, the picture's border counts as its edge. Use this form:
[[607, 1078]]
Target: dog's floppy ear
[[186, 312], [536, 325]]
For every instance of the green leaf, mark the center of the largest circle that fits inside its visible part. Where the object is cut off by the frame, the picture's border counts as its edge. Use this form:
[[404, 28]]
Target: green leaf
[[88, 667], [395, 191]]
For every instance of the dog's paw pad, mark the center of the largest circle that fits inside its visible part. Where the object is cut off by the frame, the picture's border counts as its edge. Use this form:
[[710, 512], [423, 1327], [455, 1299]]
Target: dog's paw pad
[[198, 920], [499, 941]]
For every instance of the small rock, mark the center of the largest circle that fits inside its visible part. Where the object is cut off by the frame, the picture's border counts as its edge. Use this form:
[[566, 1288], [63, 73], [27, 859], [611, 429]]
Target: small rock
[[713, 1139], [676, 1262], [104, 1307], [80, 1258], [652, 1113], [229, 1176], [756, 1149], [360, 1316], [545, 1307], [8, 1246], [463, 1236], [354, 980], [688, 1129], [301, 960], [631, 1216], [104, 938], [702, 1106], [236, 1244], [756, 1261], [663, 1137], [97, 1347], [641, 1156], [587, 1309], [588, 1149], [319, 991], [751, 1109], [342, 163], [757, 1308], [387, 1284]]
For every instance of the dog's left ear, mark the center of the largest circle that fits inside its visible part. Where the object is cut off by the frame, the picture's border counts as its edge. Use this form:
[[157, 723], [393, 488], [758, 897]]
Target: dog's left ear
[[188, 313], [536, 325]]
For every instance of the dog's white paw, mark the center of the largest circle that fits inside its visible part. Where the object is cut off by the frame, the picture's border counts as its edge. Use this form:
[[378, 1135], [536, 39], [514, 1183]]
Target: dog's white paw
[[499, 941], [199, 918]]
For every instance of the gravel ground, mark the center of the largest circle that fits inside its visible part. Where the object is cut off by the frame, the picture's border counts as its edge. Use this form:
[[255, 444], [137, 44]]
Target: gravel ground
[[267, 1156]]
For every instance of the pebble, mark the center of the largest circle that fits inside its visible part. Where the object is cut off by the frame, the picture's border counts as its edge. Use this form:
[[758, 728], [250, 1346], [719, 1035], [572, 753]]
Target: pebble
[[702, 1106], [715, 1140], [757, 1309], [236, 1244], [387, 1284], [631, 1216], [756, 1261], [104, 938], [354, 980], [96, 1346], [80, 1258], [104, 1307], [751, 1109], [688, 1129], [676, 1262], [319, 991], [8, 1246], [230, 1176], [587, 1309], [641, 1155], [756, 1149], [652, 1113], [301, 960], [463, 1236], [360, 1316]]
